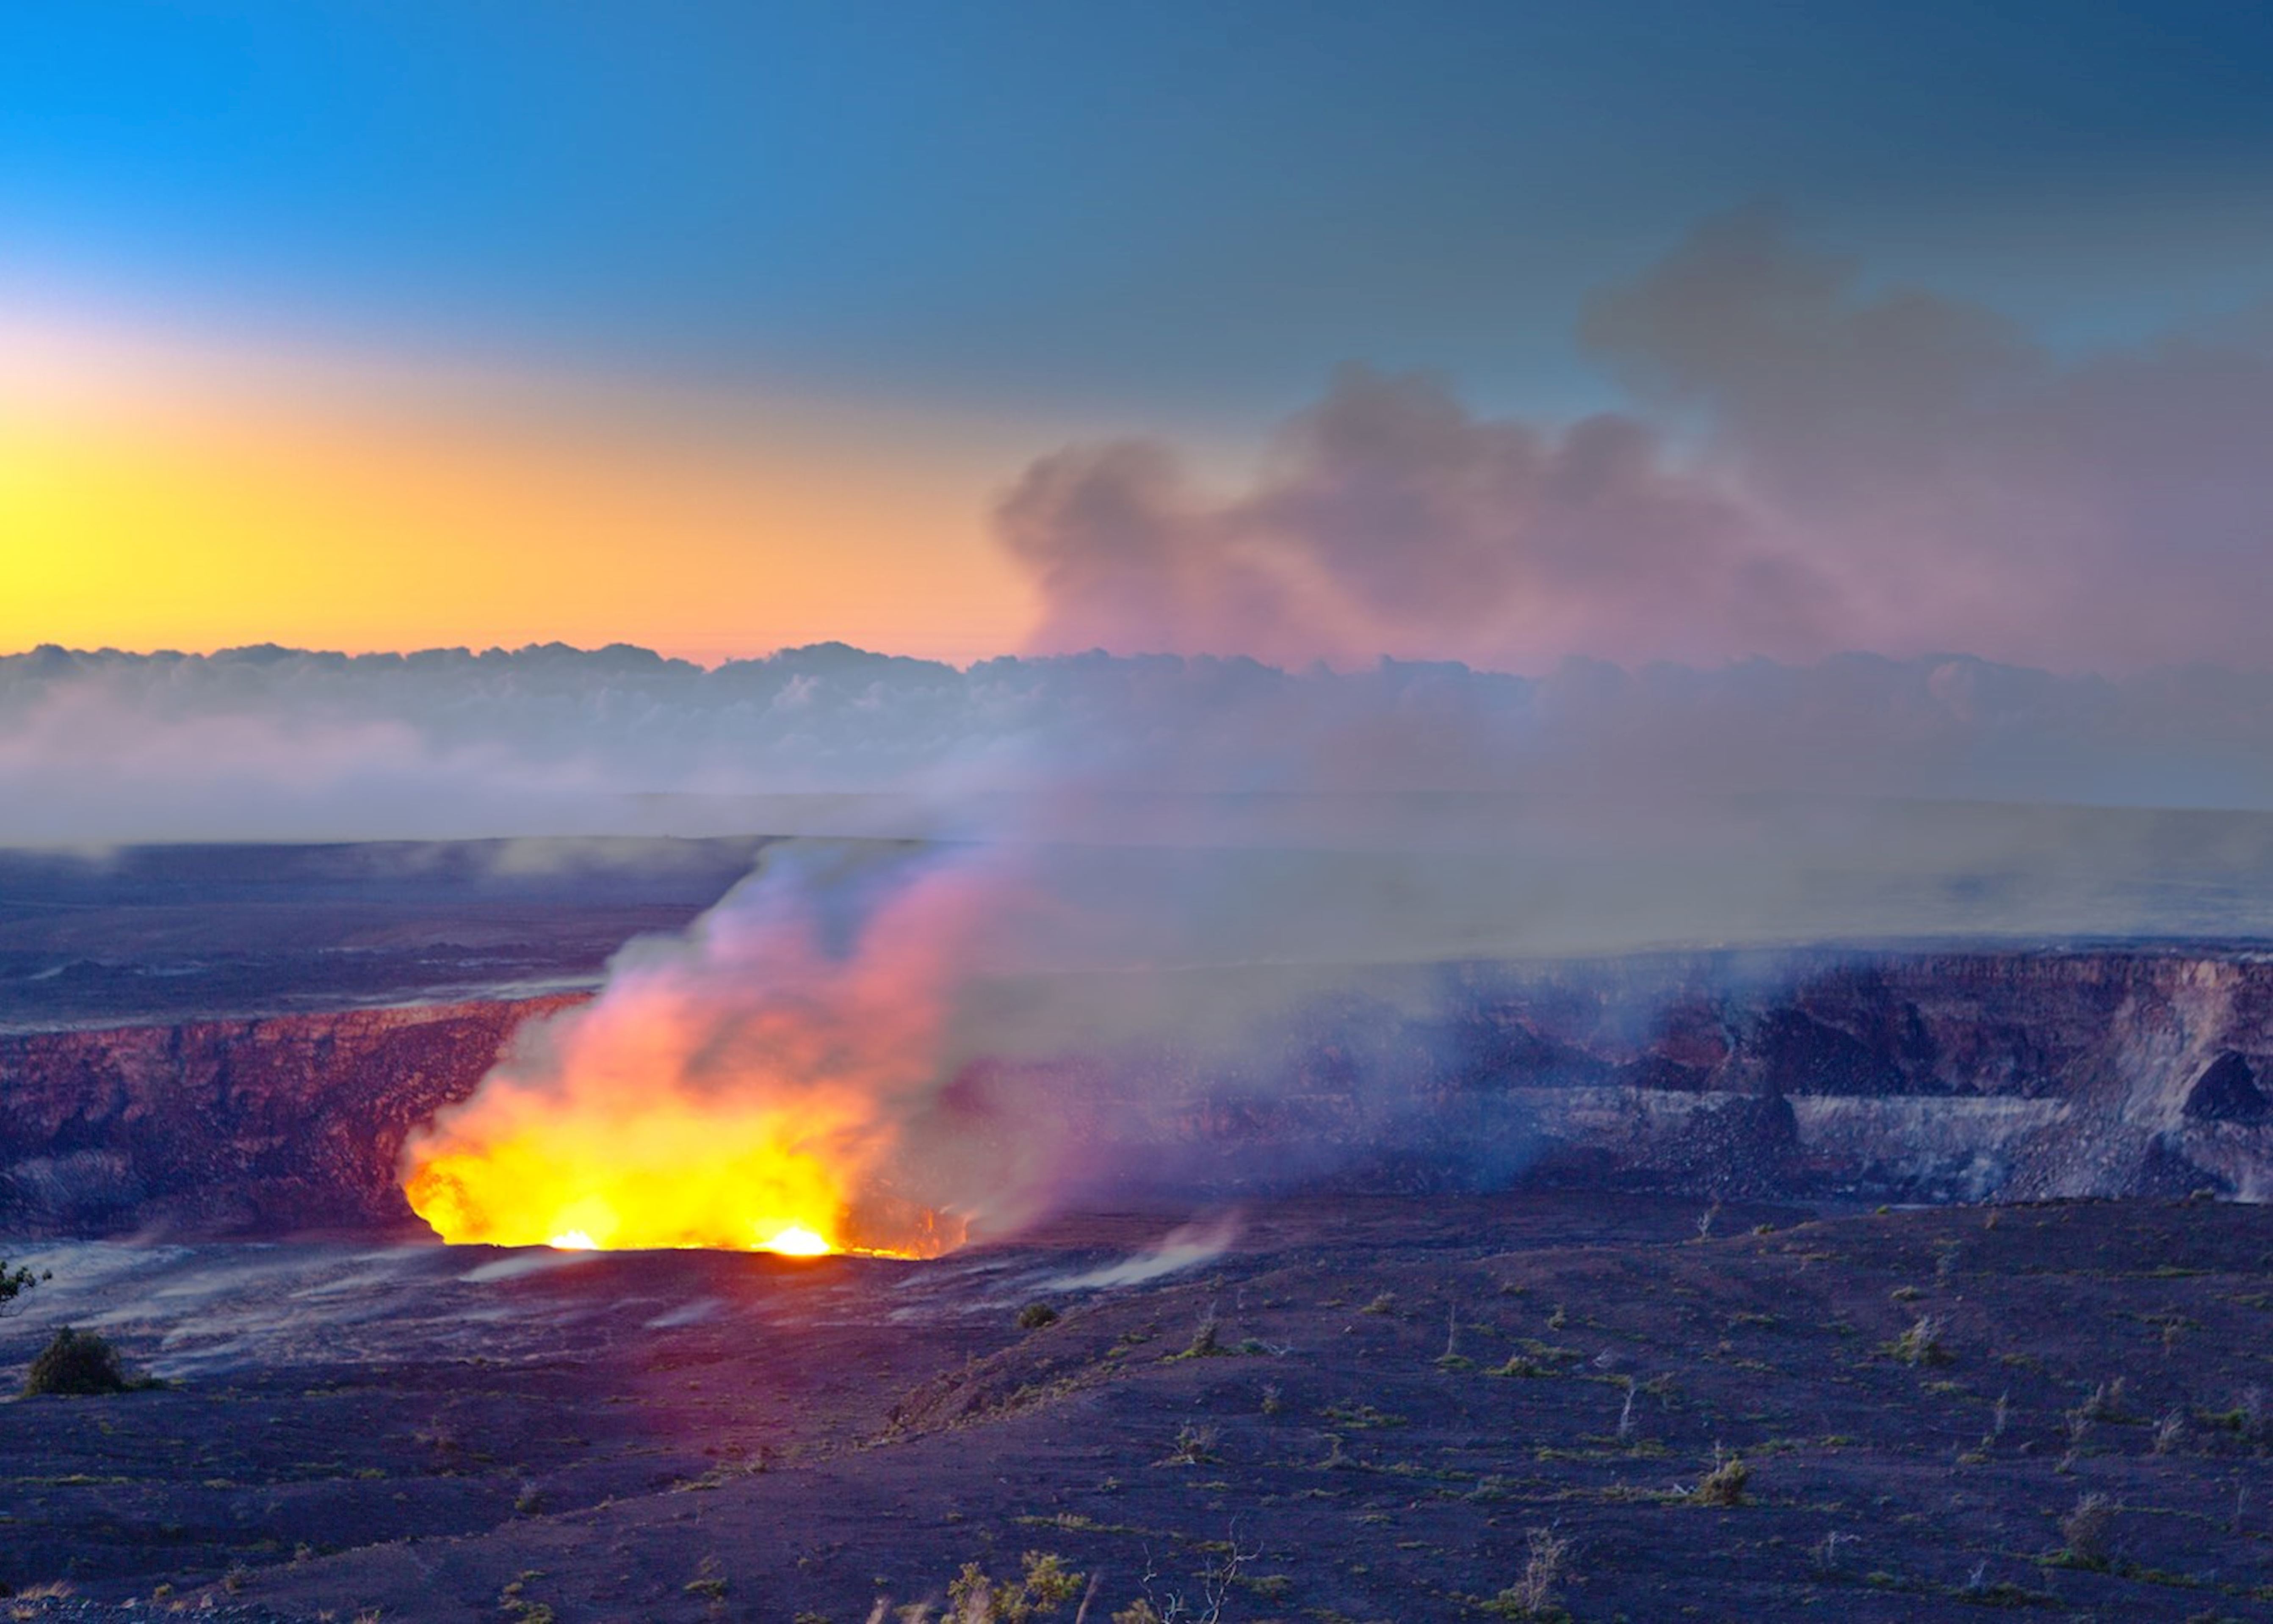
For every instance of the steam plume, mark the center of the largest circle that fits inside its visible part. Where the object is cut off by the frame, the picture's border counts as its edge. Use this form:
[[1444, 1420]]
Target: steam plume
[[1817, 465]]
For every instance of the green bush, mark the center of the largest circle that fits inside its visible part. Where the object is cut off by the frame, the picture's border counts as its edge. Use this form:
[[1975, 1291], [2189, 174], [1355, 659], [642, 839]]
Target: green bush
[[1724, 1485], [15, 1282], [77, 1362]]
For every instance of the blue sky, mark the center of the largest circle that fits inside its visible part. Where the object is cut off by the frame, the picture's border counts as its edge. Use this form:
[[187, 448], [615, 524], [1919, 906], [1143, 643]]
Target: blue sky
[[723, 327], [1180, 215]]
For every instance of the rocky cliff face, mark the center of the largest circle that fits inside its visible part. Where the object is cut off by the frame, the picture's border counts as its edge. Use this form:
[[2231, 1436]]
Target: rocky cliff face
[[1968, 1075], [1942, 1076], [219, 1126]]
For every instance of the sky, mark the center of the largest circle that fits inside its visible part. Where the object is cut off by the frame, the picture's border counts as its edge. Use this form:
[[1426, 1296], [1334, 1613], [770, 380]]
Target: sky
[[1274, 481], [719, 328]]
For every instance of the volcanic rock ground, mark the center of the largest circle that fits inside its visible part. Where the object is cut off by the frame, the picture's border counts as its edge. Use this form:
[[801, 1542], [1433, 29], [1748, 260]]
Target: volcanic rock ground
[[159, 934], [1358, 1410]]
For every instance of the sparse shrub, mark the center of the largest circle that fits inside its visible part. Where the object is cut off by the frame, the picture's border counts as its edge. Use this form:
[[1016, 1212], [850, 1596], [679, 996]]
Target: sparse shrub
[[1386, 1302], [1519, 1365], [1195, 1446], [1048, 1580], [1034, 1316], [15, 1282], [1921, 1344], [1206, 1342], [970, 1595], [2251, 1419], [1531, 1596], [1138, 1612], [2105, 1403], [78, 1363], [1352, 1414], [1724, 1485], [2079, 1428], [707, 1580], [515, 1605], [2169, 1432], [2089, 1528], [1046, 1585], [1272, 1401]]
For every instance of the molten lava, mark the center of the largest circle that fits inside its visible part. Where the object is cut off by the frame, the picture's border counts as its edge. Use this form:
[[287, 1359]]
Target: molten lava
[[655, 1176], [751, 1088]]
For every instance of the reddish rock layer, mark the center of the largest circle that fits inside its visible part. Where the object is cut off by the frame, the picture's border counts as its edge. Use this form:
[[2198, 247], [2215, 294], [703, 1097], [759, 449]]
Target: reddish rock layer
[[1879, 1076], [264, 1125]]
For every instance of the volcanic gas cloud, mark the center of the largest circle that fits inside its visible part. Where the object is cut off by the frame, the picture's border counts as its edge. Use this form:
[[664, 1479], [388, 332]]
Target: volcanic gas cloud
[[1889, 470], [759, 1085]]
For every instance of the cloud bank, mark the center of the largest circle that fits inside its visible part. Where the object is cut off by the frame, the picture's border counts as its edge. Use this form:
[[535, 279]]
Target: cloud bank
[[269, 744]]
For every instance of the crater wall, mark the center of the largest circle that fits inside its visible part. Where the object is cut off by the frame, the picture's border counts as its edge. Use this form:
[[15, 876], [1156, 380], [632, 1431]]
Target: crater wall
[[250, 1125], [1911, 1076]]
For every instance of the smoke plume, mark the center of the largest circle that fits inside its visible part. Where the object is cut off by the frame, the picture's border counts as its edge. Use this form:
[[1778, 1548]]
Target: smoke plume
[[1813, 465]]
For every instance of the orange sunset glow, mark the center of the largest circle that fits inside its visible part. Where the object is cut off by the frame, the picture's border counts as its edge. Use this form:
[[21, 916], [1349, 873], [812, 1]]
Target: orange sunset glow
[[152, 499]]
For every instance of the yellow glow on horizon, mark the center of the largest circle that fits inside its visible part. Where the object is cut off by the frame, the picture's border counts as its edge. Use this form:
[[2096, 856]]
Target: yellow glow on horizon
[[200, 506]]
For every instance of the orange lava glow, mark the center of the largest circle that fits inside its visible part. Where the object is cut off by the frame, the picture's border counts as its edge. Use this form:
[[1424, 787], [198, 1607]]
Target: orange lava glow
[[751, 1088], [643, 1177]]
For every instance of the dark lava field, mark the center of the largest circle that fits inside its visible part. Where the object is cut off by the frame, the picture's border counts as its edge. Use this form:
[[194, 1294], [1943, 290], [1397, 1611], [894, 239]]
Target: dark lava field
[[187, 932], [1354, 1410]]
